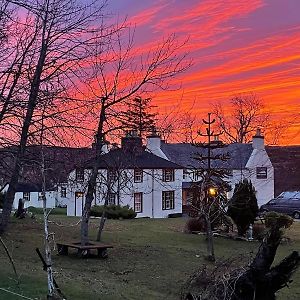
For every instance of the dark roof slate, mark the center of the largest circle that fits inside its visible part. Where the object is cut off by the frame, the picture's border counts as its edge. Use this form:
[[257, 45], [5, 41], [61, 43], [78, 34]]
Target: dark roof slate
[[184, 154], [118, 158], [28, 187]]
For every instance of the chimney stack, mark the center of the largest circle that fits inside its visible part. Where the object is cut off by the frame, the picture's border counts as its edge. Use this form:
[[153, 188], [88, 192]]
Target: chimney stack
[[154, 145], [132, 142], [258, 141]]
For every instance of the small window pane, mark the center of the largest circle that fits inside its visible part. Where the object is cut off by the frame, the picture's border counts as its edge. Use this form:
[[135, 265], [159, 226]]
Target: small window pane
[[63, 192], [261, 173], [79, 175], [168, 175], [111, 176], [167, 200], [26, 196], [138, 175], [111, 200], [138, 202]]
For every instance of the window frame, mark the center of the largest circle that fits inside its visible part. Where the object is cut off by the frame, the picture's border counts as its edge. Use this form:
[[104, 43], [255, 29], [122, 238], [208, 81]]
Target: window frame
[[111, 198], [111, 175], [261, 172], [79, 175], [140, 203], [25, 197], [138, 175], [63, 192], [168, 175], [40, 196], [186, 174], [170, 201]]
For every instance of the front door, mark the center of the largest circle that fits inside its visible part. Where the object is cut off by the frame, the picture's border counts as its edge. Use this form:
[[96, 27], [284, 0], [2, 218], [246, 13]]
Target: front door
[[79, 203]]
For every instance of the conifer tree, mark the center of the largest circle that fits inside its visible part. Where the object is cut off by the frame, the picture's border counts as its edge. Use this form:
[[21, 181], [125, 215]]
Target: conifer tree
[[243, 206], [139, 117]]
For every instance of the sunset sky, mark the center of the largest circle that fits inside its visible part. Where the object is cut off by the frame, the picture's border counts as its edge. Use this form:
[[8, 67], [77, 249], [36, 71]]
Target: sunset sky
[[236, 46]]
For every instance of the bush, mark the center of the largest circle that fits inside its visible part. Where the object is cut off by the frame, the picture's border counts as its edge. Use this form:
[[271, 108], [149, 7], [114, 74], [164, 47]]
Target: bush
[[113, 212], [195, 224], [243, 207], [175, 215], [54, 211]]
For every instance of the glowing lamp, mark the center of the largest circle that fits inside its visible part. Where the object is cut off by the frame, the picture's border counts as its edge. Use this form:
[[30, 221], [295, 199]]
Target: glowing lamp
[[212, 191]]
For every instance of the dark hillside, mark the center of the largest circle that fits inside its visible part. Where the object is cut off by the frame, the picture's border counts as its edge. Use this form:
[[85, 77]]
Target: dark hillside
[[286, 162]]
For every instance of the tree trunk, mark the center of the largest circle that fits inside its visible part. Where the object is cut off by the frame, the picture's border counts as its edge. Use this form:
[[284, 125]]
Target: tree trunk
[[210, 241], [92, 181], [101, 226], [33, 95], [87, 207], [9, 199]]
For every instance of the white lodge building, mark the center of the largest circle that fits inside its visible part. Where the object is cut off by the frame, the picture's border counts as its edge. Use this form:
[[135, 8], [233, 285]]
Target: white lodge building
[[246, 161], [132, 176], [155, 181]]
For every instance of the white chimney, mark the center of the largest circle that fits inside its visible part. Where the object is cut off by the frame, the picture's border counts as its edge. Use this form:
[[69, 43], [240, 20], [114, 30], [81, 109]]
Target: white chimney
[[153, 146], [258, 141], [105, 149]]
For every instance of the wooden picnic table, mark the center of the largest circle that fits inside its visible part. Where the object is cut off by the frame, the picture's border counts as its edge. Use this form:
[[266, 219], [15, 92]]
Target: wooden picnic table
[[83, 251]]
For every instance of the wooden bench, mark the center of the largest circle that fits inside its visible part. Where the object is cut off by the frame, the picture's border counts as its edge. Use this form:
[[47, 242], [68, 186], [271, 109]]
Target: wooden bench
[[83, 251]]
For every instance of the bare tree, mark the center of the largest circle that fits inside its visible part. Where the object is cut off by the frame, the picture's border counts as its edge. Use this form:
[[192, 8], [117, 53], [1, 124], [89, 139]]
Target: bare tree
[[117, 74], [242, 119], [61, 32], [209, 197]]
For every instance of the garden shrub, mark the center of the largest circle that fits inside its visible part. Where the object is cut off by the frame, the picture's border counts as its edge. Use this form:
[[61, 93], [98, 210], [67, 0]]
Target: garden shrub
[[54, 211], [243, 207], [113, 211], [195, 224], [175, 215]]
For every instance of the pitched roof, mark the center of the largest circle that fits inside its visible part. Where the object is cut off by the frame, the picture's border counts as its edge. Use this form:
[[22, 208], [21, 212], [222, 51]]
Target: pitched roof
[[120, 158], [184, 154], [59, 161]]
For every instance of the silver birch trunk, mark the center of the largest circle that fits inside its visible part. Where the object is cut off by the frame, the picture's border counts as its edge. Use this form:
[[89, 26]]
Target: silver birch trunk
[[48, 259]]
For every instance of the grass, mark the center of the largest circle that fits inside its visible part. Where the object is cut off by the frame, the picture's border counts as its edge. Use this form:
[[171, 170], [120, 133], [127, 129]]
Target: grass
[[151, 259]]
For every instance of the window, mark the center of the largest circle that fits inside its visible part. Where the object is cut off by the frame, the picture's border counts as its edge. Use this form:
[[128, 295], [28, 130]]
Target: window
[[26, 196], [168, 175], [138, 175], [40, 197], [138, 202], [261, 173], [111, 199], [167, 200], [79, 175], [197, 175], [111, 176], [185, 174], [63, 192]]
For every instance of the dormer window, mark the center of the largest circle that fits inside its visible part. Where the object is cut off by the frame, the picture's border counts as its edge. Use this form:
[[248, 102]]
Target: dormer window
[[138, 175], [261, 172], [168, 175], [79, 175]]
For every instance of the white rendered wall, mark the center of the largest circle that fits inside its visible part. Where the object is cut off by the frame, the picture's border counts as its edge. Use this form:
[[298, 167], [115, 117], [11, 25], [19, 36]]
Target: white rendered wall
[[151, 187], [34, 200], [263, 187]]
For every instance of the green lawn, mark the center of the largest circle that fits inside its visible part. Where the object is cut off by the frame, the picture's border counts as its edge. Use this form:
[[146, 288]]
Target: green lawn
[[151, 259]]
